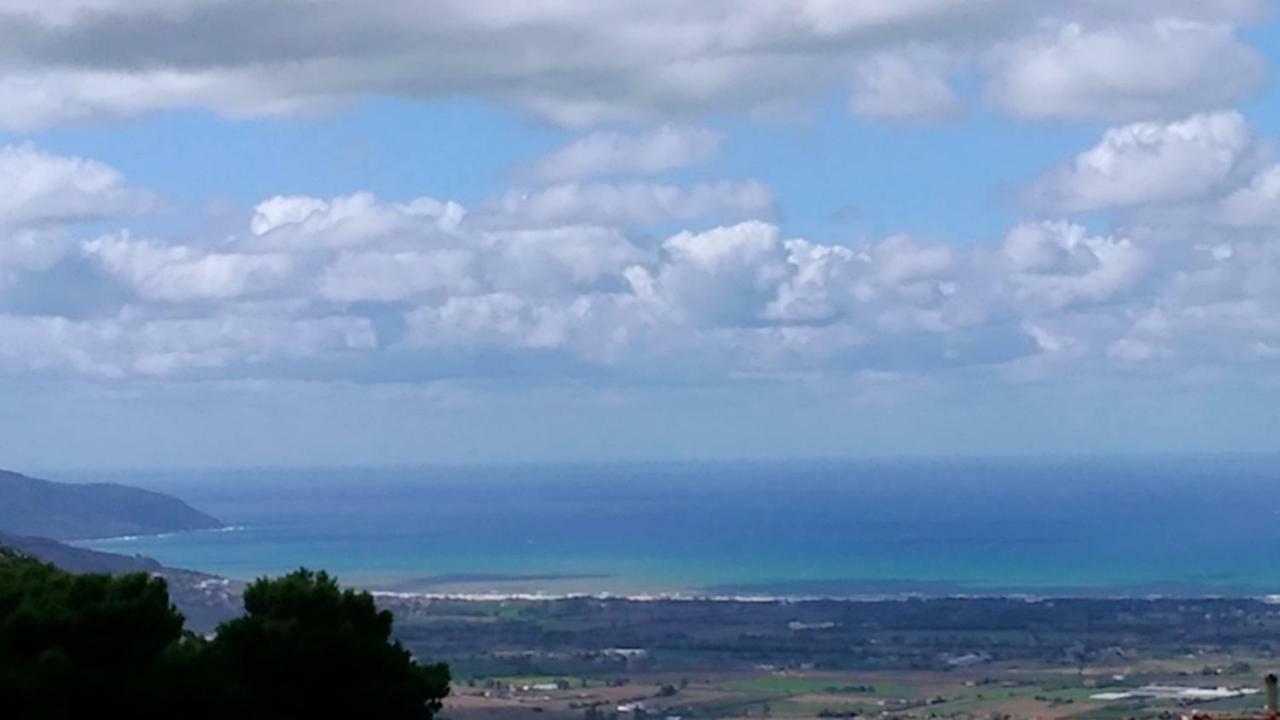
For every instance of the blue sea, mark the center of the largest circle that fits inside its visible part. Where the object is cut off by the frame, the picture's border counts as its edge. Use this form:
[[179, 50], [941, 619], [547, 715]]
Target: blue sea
[[1116, 526]]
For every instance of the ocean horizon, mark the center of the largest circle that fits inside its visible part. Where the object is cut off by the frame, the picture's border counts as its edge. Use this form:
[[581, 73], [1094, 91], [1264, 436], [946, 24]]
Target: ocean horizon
[[829, 528]]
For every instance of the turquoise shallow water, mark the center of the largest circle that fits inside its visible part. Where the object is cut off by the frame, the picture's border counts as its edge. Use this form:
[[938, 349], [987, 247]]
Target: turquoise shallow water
[[1116, 526]]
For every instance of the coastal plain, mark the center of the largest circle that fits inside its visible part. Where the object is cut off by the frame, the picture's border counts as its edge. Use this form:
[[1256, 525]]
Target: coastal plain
[[607, 659]]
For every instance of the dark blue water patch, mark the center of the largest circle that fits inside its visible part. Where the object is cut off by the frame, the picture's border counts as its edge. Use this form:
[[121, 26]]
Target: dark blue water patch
[[1125, 522]]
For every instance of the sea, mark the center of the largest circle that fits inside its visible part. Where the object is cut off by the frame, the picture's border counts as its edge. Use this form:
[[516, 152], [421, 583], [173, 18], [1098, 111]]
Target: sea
[[799, 529]]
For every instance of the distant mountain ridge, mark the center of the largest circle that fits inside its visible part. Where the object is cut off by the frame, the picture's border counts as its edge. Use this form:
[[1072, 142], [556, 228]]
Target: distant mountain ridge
[[66, 511]]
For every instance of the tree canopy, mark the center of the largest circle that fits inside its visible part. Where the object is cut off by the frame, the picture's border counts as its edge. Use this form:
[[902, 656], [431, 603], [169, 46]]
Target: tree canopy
[[306, 648], [72, 645], [72, 642]]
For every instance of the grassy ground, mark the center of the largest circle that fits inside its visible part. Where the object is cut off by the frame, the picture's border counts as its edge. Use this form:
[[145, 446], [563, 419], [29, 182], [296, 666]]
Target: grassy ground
[[790, 684], [974, 694]]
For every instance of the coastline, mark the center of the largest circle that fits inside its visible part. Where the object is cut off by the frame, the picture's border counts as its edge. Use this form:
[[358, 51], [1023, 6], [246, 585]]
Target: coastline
[[1270, 598], [498, 587], [83, 542], [483, 585]]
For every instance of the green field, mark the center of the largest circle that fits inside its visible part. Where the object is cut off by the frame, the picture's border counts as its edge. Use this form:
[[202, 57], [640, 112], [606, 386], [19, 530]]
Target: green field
[[792, 685]]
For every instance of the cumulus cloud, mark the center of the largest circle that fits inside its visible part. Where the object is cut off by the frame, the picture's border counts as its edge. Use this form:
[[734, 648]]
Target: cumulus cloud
[[1060, 265], [43, 196], [1150, 163], [1132, 71], [643, 279], [725, 275], [548, 261], [41, 188], [581, 63], [177, 273], [601, 265], [733, 298], [666, 148]]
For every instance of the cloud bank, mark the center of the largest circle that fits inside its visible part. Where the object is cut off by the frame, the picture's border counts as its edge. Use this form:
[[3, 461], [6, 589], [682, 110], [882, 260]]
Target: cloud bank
[[571, 280], [582, 63]]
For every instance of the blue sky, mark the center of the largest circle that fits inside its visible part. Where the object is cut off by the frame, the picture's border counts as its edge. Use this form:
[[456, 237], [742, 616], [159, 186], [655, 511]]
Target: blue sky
[[307, 233], [831, 177]]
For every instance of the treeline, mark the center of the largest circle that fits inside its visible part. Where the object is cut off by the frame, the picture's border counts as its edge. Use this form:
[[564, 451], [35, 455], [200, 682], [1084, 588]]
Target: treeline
[[76, 646]]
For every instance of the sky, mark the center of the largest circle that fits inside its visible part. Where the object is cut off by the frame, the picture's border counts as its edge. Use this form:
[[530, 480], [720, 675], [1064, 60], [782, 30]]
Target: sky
[[317, 232]]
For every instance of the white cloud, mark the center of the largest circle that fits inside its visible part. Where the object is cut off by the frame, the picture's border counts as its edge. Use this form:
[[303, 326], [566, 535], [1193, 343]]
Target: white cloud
[[1058, 264], [604, 329], [580, 62], [176, 273], [397, 276], [44, 197], [746, 276], [908, 83], [39, 189], [730, 299], [726, 275], [129, 345], [27, 250], [1256, 204], [900, 260], [822, 277], [661, 150], [358, 219], [735, 298], [1150, 163], [574, 280], [495, 319], [1158, 69], [896, 285], [552, 261], [634, 203], [163, 347]]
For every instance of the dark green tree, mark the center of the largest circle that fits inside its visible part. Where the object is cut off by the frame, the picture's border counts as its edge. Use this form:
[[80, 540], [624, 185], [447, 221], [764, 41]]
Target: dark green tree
[[307, 648], [75, 645]]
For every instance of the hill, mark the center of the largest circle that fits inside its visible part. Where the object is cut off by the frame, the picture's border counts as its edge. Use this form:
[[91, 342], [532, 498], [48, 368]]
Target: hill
[[63, 511], [78, 560], [204, 599]]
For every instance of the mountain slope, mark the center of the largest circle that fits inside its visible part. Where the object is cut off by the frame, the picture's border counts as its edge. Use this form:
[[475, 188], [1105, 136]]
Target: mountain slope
[[78, 560], [63, 511], [205, 600]]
